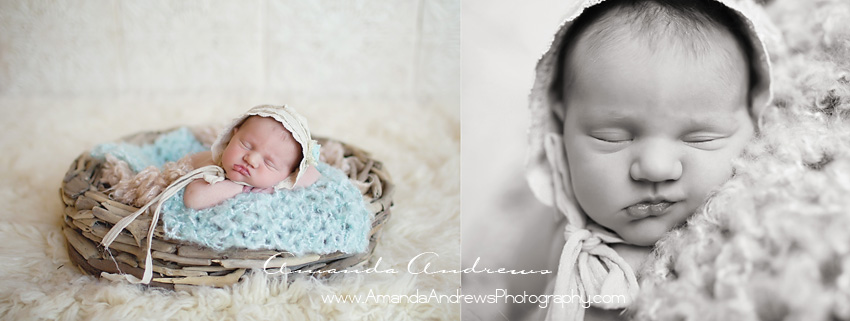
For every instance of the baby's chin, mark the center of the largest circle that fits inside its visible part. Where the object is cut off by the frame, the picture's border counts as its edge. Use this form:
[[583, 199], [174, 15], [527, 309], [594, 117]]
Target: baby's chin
[[237, 178], [644, 233], [233, 176]]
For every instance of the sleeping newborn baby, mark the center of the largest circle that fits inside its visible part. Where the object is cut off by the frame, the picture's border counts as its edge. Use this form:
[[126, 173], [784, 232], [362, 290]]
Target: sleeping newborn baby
[[638, 109], [267, 148], [259, 153]]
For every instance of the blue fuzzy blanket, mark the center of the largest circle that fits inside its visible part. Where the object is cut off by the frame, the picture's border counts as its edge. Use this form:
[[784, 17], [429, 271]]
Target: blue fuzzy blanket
[[326, 217], [168, 147]]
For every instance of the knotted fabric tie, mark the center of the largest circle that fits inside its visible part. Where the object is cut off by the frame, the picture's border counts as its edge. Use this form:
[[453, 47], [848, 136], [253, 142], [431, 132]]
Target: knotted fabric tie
[[211, 173], [588, 267]]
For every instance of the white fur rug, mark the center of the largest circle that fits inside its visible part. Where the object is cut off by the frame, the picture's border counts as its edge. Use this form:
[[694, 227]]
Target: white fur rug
[[418, 143]]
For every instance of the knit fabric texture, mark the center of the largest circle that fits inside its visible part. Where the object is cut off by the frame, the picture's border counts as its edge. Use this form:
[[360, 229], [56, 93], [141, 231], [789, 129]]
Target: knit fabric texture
[[168, 147], [325, 217]]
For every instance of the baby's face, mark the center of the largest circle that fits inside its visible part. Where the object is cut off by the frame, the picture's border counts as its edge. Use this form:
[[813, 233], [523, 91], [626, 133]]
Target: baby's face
[[649, 134], [261, 153]]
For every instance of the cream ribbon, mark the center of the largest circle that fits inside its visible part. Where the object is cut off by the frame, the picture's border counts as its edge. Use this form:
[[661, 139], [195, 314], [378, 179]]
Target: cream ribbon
[[588, 266], [210, 173]]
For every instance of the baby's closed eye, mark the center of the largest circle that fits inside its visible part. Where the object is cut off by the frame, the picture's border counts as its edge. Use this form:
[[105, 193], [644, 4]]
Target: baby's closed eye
[[702, 138], [611, 135], [271, 164], [705, 140]]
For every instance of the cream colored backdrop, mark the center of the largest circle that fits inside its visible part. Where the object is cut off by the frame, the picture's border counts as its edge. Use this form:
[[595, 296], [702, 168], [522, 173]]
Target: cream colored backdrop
[[502, 223], [309, 49]]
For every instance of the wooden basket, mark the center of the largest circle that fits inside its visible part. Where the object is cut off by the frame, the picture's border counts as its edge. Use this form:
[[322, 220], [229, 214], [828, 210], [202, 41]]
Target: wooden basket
[[90, 214]]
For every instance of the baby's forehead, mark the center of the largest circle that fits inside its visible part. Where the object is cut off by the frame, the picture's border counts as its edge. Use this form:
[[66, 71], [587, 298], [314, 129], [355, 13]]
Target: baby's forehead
[[665, 27], [265, 122], [697, 30], [268, 126]]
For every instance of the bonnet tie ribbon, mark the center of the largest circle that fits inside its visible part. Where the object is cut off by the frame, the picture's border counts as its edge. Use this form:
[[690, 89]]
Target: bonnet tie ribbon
[[588, 267], [210, 173]]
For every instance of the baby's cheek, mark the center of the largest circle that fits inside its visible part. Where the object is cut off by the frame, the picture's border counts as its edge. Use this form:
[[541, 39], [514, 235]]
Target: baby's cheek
[[599, 186], [710, 171]]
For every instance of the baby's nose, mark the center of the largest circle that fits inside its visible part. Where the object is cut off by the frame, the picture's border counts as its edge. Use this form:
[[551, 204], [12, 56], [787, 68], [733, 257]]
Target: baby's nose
[[656, 162], [252, 159]]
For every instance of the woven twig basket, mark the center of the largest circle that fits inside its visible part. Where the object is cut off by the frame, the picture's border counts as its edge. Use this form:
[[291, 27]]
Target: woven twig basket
[[90, 214]]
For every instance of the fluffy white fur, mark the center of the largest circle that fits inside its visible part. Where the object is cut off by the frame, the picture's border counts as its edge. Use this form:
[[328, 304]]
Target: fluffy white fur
[[419, 144], [773, 243]]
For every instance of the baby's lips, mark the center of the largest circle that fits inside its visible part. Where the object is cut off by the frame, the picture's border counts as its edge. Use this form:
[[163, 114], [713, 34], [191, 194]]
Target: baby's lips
[[647, 209], [242, 170]]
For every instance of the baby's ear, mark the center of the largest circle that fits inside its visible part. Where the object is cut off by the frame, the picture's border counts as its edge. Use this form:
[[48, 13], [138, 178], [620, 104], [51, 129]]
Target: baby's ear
[[308, 177]]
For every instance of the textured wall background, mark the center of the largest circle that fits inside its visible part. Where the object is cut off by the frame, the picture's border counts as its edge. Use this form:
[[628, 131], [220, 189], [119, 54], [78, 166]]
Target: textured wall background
[[310, 49]]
